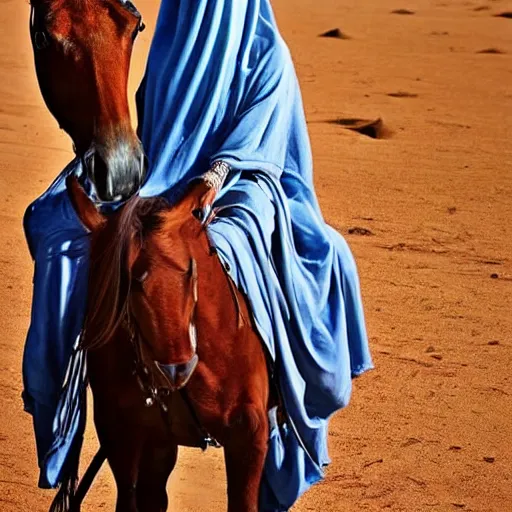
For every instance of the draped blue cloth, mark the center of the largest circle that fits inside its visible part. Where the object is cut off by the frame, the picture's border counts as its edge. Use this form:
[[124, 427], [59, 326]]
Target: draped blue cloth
[[219, 84]]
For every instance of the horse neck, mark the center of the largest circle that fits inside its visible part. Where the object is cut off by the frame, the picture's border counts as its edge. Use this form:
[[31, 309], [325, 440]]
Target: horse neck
[[217, 307]]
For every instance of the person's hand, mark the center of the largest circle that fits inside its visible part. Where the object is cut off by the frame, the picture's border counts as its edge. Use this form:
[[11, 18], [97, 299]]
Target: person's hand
[[212, 182]]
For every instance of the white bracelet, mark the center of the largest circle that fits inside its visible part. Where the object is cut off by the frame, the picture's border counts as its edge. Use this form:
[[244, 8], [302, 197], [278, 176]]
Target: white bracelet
[[216, 175]]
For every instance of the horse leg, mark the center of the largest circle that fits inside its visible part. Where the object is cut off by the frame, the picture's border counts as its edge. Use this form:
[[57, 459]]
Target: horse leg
[[245, 457], [156, 465], [124, 458]]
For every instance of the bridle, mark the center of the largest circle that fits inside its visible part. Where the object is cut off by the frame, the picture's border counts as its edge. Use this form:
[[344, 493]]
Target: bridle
[[146, 376], [41, 38], [151, 392]]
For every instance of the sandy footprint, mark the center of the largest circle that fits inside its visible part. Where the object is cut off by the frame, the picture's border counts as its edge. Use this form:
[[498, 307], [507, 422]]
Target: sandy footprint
[[373, 128], [492, 51], [406, 12], [335, 33]]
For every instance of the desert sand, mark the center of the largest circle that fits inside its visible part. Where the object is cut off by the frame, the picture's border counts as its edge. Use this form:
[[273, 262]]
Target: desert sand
[[427, 211]]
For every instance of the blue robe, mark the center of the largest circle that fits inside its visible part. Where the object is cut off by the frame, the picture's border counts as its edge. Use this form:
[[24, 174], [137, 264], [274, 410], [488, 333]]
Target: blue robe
[[219, 84]]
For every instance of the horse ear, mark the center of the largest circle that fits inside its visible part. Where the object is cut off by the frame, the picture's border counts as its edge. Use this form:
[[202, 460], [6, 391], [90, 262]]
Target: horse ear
[[91, 218], [201, 196]]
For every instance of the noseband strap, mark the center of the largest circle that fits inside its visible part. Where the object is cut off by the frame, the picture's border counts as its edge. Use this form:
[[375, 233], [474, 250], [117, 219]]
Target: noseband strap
[[145, 376]]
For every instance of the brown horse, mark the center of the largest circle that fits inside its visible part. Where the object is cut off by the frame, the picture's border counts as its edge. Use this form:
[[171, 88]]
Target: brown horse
[[82, 51], [173, 357]]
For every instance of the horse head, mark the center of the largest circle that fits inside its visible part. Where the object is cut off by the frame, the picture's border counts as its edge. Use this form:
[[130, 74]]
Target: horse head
[[82, 51], [144, 272]]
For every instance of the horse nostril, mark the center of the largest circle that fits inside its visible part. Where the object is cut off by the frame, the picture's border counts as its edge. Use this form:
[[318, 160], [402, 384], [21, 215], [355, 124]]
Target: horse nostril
[[118, 175], [98, 174], [138, 173]]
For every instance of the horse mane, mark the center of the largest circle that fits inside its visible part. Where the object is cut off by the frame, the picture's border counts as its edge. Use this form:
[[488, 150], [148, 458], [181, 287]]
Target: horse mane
[[110, 283]]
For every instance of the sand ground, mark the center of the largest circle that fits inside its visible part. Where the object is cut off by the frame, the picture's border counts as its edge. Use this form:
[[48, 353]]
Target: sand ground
[[430, 428]]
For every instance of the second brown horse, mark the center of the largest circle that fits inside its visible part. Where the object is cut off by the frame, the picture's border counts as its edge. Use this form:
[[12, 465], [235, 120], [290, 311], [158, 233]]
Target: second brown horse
[[162, 316]]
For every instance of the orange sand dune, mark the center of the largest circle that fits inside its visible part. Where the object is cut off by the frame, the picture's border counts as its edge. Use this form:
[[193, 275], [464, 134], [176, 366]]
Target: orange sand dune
[[430, 428]]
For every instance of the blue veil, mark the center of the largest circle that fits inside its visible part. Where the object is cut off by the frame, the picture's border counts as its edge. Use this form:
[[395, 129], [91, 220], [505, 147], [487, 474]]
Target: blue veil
[[219, 84]]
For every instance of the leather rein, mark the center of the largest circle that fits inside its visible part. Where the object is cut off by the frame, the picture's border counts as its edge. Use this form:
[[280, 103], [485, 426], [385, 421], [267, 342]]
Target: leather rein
[[145, 375], [154, 394]]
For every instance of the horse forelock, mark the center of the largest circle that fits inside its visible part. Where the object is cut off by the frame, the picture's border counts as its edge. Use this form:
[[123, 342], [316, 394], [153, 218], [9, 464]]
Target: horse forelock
[[110, 272]]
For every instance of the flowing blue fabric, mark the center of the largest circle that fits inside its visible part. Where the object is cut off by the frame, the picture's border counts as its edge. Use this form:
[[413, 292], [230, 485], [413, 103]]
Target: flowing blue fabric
[[219, 84]]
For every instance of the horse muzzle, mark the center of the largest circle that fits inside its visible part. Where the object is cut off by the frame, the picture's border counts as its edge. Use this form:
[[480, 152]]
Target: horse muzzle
[[117, 173], [178, 375]]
